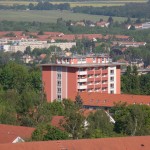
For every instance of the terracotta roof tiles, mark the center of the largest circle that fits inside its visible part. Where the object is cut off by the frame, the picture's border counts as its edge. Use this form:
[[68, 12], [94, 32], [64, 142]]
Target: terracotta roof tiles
[[119, 143], [8, 133], [108, 100]]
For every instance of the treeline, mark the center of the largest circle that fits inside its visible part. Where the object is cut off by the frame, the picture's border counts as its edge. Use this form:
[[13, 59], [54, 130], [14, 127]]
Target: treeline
[[132, 83], [39, 6], [133, 10]]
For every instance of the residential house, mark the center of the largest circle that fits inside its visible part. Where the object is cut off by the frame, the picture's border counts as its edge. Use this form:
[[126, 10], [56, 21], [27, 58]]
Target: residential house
[[14, 134]]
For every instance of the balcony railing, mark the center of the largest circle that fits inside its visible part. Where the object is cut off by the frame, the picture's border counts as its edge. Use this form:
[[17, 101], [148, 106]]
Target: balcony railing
[[82, 72], [82, 80], [81, 87]]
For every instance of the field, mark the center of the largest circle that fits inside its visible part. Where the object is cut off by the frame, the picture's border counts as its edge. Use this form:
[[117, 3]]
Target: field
[[74, 4], [49, 16]]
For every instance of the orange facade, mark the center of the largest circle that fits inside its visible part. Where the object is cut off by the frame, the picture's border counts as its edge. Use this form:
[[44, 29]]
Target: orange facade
[[70, 75]]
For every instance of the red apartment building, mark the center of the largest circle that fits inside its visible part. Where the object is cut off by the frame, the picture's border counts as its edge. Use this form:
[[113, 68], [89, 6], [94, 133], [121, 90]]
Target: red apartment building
[[90, 73]]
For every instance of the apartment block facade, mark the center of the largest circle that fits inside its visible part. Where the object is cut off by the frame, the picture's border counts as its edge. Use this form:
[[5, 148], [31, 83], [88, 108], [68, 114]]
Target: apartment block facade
[[70, 75]]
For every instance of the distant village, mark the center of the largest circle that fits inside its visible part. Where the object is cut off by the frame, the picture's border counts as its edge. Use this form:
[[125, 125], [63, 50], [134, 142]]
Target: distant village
[[14, 41]]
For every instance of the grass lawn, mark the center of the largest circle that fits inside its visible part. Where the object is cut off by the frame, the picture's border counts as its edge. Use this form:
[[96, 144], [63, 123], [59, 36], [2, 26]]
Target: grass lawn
[[49, 16]]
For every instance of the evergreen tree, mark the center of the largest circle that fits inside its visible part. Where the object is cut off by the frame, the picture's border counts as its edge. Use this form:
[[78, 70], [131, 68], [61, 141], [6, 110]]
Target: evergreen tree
[[78, 101]]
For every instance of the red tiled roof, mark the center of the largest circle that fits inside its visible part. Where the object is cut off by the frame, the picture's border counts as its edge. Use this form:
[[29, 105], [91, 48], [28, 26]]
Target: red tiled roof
[[56, 36], [9, 133], [108, 100], [56, 120], [42, 56], [119, 143], [87, 112]]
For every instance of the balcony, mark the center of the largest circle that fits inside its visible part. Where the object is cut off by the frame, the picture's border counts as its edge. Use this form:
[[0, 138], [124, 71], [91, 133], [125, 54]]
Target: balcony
[[82, 80], [97, 85], [105, 71], [90, 79], [90, 86], [97, 71], [104, 85], [81, 62], [90, 72], [98, 79], [82, 87], [82, 72], [104, 78]]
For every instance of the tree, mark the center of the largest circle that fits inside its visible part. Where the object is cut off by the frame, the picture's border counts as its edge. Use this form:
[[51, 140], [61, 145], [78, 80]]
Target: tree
[[74, 124], [132, 120], [128, 20], [74, 119], [27, 50], [132, 27], [110, 20], [40, 33], [138, 21], [46, 132], [4, 57], [13, 76], [31, 6], [34, 79], [7, 113], [99, 125], [78, 101], [29, 100]]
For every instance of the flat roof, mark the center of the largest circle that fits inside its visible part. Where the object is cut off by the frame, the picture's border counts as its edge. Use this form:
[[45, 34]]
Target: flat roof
[[84, 56], [84, 65]]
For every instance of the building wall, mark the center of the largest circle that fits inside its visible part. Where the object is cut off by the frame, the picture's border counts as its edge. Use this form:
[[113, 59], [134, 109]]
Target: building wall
[[72, 82], [64, 82], [46, 79], [53, 87], [118, 80]]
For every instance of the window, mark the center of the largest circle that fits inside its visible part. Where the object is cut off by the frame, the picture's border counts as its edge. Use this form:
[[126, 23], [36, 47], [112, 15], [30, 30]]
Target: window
[[112, 92], [97, 82], [97, 75], [58, 83], [111, 71], [90, 69], [58, 69], [111, 78], [59, 96], [104, 89], [90, 83], [90, 76], [58, 76], [97, 89], [81, 69], [112, 85], [58, 90], [103, 68]]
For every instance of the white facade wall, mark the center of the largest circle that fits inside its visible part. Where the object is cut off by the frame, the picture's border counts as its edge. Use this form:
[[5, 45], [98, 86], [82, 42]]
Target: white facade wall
[[22, 47], [112, 82], [146, 25]]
